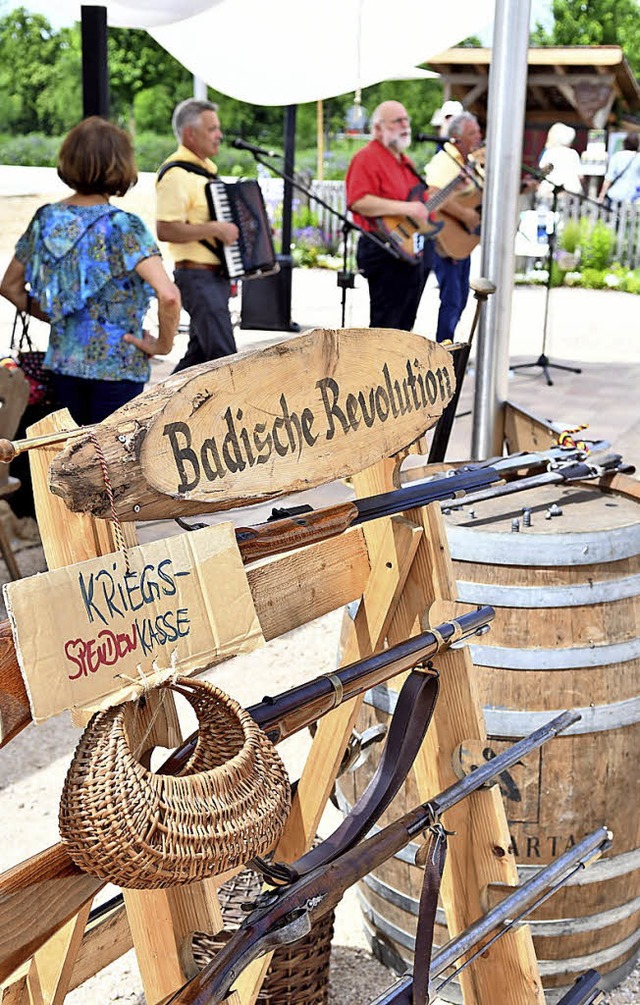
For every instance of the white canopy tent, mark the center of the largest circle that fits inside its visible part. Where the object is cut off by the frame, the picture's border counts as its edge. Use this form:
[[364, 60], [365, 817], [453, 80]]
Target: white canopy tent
[[283, 52]]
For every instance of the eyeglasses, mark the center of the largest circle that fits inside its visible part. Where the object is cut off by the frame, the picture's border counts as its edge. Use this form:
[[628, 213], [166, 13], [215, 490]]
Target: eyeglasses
[[399, 120]]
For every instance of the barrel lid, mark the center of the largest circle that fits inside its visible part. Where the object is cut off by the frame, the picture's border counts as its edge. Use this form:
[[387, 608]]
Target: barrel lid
[[592, 526]]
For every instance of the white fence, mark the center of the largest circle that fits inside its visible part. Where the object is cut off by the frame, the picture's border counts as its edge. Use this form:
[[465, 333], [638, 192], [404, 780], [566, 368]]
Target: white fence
[[623, 219]]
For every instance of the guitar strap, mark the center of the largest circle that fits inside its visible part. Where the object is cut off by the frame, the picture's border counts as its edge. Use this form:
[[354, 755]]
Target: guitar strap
[[409, 724], [193, 169]]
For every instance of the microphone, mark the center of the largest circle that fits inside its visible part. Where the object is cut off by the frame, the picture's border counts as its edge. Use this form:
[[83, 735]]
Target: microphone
[[429, 138], [241, 144]]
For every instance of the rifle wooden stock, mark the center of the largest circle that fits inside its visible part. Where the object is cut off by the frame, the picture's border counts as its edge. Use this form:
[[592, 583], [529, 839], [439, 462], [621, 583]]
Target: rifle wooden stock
[[40, 895], [287, 914]]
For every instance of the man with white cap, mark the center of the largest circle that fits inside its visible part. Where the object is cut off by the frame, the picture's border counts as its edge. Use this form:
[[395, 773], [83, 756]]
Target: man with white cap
[[442, 116]]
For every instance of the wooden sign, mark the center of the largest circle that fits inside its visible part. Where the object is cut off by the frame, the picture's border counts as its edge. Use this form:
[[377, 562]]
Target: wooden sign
[[260, 425], [86, 633]]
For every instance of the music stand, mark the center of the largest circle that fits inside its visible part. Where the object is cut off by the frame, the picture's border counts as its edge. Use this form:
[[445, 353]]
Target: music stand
[[543, 360]]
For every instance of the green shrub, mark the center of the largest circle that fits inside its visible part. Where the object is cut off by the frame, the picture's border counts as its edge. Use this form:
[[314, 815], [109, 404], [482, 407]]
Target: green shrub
[[597, 247], [32, 150], [570, 236], [593, 279], [151, 150]]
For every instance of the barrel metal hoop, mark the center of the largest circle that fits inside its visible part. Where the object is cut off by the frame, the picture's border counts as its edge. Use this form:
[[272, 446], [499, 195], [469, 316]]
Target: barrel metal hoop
[[598, 872], [471, 545], [404, 939], [568, 658], [398, 899], [586, 923], [513, 722], [529, 597], [508, 723], [578, 964]]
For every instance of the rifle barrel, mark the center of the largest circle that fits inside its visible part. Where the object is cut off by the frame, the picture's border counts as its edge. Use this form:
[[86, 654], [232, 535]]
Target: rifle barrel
[[486, 772], [518, 904], [281, 917], [585, 991]]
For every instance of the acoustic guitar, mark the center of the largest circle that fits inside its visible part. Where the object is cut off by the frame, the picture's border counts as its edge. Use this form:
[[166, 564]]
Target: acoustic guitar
[[408, 235], [454, 239]]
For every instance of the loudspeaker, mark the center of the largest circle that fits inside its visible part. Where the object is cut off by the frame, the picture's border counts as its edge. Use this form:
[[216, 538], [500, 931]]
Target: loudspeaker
[[266, 302]]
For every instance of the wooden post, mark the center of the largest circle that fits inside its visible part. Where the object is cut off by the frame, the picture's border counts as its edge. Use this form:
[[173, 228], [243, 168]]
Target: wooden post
[[479, 851]]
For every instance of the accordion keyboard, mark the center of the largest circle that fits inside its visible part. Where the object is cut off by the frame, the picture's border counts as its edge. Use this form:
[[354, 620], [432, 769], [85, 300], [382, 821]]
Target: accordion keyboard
[[231, 253]]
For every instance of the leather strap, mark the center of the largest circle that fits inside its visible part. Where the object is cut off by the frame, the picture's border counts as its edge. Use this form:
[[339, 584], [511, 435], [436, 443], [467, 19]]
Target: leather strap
[[434, 867], [409, 724]]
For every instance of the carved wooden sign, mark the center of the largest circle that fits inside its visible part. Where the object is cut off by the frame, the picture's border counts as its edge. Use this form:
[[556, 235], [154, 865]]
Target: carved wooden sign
[[259, 425]]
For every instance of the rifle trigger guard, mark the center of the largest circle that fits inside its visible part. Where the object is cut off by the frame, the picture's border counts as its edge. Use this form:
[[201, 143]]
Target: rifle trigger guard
[[359, 747], [297, 928]]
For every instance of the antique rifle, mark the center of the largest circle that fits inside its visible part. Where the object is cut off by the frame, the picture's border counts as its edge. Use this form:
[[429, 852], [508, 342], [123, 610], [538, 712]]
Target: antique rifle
[[504, 917], [285, 914], [585, 991], [40, 895], [302, 526], [296, 527]]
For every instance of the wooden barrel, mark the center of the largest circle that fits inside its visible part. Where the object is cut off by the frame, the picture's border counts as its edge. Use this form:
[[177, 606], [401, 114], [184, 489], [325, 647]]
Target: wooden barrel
[[566, 591]]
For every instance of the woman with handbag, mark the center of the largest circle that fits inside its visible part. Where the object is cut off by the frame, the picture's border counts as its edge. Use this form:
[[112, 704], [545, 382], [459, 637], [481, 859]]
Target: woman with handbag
[[90, 269], [622, 179]]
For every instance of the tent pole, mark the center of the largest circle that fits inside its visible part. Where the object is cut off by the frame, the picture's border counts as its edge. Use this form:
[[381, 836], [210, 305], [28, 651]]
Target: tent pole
[[95, 77], [505, 130]]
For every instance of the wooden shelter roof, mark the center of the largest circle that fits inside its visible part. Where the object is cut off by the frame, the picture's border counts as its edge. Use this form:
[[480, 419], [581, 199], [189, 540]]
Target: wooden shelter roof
[[579, 85]]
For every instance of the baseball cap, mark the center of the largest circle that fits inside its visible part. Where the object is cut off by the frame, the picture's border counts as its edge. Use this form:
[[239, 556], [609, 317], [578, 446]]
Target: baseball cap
[[448, 110]]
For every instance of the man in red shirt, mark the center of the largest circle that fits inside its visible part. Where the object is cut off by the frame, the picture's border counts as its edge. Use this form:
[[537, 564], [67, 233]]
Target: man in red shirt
[[383, 181]]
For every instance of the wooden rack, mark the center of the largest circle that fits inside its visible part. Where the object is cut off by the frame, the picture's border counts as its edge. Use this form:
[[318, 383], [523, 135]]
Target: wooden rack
[[397, 568]]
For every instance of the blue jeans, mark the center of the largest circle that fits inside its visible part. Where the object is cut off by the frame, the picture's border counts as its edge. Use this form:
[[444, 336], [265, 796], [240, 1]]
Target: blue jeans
[[453, 280], [91, 401], [205, 298]]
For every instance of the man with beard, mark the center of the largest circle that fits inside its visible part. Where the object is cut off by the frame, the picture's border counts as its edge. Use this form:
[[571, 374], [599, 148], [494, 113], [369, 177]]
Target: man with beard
[[383, 181]]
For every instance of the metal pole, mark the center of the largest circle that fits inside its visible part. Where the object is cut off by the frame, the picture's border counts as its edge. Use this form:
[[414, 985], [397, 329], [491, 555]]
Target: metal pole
[[505, 129], [95, 76]]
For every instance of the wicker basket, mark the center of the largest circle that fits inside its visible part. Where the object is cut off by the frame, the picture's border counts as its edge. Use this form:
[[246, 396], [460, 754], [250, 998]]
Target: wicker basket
[[298, 974], [138, 829]]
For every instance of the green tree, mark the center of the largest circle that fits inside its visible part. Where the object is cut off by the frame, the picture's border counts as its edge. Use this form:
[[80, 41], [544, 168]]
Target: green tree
[[594, 22], [137, 62], [29, 50]]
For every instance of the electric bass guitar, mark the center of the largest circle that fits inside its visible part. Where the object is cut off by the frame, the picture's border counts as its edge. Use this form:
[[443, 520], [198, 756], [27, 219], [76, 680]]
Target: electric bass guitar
[[408, 235]]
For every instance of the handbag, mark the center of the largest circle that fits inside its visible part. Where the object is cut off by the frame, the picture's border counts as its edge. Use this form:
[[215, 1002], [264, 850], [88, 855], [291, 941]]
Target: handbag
[[31, 361]]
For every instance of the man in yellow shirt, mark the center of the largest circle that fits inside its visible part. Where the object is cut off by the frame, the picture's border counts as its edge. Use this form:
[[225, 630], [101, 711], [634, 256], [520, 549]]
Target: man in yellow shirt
[[184, 221], [464, 136]]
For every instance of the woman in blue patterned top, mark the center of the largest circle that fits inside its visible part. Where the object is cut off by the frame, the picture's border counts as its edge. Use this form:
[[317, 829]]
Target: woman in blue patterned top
[[90, 270]]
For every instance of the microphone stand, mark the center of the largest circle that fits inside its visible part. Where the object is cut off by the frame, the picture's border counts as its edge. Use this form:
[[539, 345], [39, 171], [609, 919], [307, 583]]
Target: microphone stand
[[346, 277], [543, 360]]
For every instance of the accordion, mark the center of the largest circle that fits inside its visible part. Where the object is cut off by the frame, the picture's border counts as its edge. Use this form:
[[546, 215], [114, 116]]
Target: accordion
[[241, 202]]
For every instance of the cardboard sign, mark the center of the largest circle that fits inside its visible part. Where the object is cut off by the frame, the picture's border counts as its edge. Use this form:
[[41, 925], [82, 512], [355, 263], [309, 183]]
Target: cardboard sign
[[86, 633], [260, 425]]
